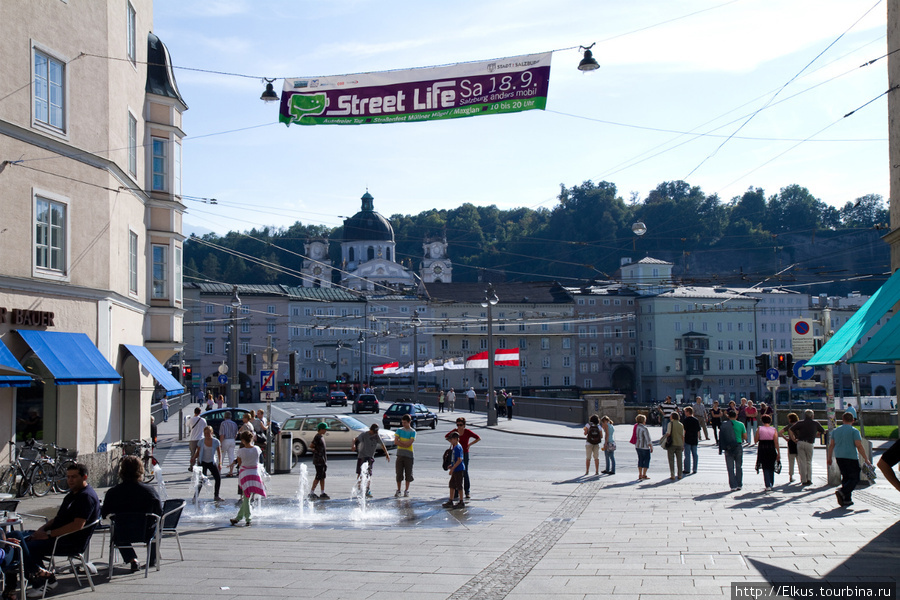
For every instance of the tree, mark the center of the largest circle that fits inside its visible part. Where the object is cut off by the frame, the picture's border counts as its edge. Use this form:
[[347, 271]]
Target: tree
[[865, 211]]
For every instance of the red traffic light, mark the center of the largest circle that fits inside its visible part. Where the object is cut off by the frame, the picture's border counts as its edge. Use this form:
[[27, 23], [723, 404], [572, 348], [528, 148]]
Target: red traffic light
[[186, 371]]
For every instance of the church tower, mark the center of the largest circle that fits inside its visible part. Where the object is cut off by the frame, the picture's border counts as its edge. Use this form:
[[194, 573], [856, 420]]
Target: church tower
[[317, 266], [436, 266]]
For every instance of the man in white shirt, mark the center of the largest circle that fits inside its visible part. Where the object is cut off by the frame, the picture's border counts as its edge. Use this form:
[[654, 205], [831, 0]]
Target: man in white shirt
[[195, 426], [470, 394]]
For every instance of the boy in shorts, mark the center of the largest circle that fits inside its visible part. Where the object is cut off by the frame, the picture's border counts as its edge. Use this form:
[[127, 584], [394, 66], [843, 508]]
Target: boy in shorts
[[457, 470], [320, 462]]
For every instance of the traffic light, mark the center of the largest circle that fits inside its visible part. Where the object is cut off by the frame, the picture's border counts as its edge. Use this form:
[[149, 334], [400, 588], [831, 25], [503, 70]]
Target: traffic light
[[292, 367], [762, 364], [251, 364], [187, 373], [785, 362]]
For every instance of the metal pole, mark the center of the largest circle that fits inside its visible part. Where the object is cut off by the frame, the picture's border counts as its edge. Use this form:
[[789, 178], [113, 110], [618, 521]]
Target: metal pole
[[490, 299], [415, 325], [829, 370], [235, 379]]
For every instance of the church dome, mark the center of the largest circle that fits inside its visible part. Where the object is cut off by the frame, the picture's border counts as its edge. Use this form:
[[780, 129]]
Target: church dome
[[368, 225]]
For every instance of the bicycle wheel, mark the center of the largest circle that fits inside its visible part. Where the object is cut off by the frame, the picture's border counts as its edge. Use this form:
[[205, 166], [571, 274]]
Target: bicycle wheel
[[42, 479], [8, 481], [59, 477]]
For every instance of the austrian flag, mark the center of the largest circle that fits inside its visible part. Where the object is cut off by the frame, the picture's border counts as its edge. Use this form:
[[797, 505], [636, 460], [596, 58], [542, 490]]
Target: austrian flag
[[385, 369], [503, 357]]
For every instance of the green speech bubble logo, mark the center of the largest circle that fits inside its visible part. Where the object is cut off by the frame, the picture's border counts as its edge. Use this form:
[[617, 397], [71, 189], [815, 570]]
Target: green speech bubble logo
[[307, 104]]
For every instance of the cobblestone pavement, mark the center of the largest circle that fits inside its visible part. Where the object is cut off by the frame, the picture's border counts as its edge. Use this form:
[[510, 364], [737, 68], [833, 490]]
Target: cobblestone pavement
[[576, 537]]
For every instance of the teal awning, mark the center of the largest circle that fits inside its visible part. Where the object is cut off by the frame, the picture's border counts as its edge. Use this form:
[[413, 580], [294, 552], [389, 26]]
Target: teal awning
[[859, 324], [159, 372], [884, 345]]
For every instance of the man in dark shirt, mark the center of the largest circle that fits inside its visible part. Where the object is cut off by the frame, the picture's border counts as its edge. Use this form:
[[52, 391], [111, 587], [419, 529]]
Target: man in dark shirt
[[79, 508], [691, 440], [806, 431], [467, 438], [132, 496], [666, 409]]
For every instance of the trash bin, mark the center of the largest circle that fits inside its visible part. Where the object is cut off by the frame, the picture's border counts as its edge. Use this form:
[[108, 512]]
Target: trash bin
[[283, 453]]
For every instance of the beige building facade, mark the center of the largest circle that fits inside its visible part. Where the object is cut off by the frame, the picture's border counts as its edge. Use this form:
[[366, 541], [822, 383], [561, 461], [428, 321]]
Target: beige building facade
[[90, 171]]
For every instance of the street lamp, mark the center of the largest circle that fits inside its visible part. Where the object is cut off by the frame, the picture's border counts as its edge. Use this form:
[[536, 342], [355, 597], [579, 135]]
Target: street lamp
[[361, 341], [490, 300], [236, 379], [337, 365], [415, 325]]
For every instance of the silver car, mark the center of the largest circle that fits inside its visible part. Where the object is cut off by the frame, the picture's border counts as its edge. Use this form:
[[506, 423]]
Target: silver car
[[342, 430]]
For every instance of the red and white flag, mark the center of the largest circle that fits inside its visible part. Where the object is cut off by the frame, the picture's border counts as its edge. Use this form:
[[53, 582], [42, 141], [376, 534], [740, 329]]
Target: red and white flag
[[385, 368], [477, 361], [506, 357]]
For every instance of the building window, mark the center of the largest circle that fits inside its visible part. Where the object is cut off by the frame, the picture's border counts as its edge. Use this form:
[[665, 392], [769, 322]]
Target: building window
[[566, 380], [270, 328], [130, 32], [545, 362], [423, 349], [176, 170], [567, 361], [49, 90], [161, 271], [160, 159], [588, 383], [210, 327], [484, 344], [245, 310], [179, 278], [464, 345], [209, 309], [567, 343], [445, 344], [50, 235], [132, 144], [501, 343], [404, 349], [209, 347], [245, 348], [545, 380], [545, 343], [132, 262], [245, 327]]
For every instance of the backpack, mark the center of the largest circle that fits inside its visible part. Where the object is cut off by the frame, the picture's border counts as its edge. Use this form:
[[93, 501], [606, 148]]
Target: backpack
[[448, 458], [727, 437], [594, 435]]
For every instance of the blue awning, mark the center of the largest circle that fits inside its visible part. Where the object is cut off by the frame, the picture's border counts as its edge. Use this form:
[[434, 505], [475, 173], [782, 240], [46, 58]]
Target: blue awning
[[859, 324], [156, 369], [71, 358], [11, 372]]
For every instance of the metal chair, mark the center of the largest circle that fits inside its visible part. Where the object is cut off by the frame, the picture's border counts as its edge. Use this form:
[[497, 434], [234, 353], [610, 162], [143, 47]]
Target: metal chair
[[131, 530], [74, 546], [17, 564], [168, 523]]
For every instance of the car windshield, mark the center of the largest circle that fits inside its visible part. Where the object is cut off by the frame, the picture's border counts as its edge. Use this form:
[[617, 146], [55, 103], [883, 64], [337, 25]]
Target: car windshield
[[353, 423]]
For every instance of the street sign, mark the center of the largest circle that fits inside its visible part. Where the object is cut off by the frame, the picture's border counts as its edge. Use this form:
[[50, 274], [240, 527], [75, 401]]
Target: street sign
[[772, 375], [223, 369], [802, 339], [235, 386], [802, 372], [267, 396], [223, 379], [773, 384], [267, 381]]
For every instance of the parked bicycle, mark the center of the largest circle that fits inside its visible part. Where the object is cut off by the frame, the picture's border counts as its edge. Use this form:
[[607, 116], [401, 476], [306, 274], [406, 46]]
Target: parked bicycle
[[32, 471], [65, 458], [143, 449]]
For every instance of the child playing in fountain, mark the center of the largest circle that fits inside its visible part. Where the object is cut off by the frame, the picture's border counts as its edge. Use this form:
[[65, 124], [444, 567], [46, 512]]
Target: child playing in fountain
[[457, 469], [320, 462], [248, 476]]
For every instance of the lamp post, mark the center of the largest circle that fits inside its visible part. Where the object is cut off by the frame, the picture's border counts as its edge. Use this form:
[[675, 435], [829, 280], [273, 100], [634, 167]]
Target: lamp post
[[337, 364], [490, 300], [361, 340], [236, 379], [415, 325]]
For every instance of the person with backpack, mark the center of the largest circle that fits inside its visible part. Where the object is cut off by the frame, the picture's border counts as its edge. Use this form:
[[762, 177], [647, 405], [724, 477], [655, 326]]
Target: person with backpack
[[643, 444], [593, 436], [732, 435]]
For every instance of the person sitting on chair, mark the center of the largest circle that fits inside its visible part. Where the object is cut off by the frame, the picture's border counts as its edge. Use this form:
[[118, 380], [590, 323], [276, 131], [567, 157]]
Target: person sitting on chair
[[132, 496], [79, 508]]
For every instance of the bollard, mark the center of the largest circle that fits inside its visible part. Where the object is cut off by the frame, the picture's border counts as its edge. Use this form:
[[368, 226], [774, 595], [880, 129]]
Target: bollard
[[180, 424]]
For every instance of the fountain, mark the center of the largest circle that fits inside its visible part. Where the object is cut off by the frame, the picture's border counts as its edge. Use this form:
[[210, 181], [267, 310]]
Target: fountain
[[160, 484], [303, 490], [198, 480]]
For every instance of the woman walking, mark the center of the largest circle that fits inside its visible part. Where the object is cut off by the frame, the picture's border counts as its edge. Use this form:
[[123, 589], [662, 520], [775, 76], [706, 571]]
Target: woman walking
[[609, 445], [752, 414], [249, 480], [644, 446], [715, 419], [209, 456], [791, 443], [768, 452]]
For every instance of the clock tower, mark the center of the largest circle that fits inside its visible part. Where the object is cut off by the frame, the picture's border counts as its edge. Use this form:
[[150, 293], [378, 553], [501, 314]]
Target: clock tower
[[316, 267], [436, 267]]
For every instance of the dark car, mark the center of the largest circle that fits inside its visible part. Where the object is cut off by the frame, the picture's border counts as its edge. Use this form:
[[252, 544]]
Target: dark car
[[215, 417], [419, 414], [336, 398], [366, 402], [319, 393]]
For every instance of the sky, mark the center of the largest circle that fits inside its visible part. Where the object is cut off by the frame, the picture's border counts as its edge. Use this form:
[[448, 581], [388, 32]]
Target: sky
[[676, 80]]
